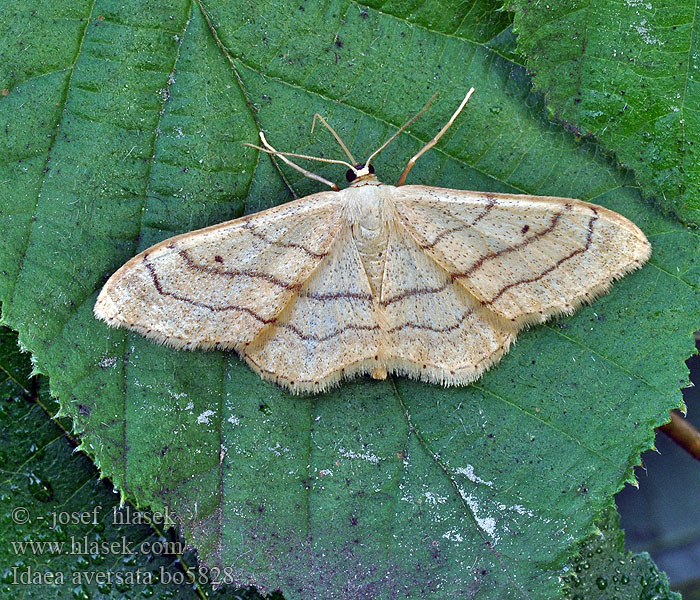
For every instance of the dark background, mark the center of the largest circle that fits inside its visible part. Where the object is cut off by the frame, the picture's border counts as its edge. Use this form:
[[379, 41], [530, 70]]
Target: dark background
[[662, 517]]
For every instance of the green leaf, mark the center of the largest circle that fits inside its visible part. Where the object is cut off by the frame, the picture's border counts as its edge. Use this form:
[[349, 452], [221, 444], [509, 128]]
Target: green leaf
[[604, 570], [15, 368], [65, 535], [625, 73], [130, 132]]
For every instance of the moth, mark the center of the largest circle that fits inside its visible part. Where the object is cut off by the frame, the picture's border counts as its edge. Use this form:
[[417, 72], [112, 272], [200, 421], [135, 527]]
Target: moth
[[413, 280]]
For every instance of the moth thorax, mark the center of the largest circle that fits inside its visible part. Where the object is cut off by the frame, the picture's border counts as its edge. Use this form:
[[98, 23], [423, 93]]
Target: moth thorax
[[371, 233]]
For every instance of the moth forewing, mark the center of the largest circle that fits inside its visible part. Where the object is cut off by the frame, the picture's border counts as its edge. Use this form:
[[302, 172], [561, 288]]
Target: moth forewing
[[523, 257]]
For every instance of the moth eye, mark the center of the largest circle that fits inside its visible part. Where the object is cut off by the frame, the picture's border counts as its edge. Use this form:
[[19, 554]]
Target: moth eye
[[351, 176]]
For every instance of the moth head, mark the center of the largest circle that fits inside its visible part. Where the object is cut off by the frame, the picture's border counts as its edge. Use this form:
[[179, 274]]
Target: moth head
[[358, 172]]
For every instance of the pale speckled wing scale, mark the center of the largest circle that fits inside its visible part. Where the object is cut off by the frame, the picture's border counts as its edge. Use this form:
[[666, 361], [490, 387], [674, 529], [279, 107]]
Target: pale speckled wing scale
[[525, 258], [328, 332], [435, 329], [220, 286]]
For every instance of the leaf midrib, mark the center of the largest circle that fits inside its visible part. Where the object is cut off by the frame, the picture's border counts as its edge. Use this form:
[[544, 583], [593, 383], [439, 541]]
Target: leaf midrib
[[465, 507], [22, 256], [147, 188]]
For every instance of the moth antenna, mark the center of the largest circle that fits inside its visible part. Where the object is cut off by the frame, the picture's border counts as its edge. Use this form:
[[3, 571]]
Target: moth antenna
[[270, 150], [306, 173], [434, 141], [335, 135], [406, 124]]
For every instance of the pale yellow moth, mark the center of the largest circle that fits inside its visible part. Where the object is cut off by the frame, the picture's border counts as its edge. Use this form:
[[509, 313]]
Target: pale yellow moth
[[415, 280]]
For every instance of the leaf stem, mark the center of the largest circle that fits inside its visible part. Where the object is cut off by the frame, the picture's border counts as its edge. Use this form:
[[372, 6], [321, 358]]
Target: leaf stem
[[683, 433]]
